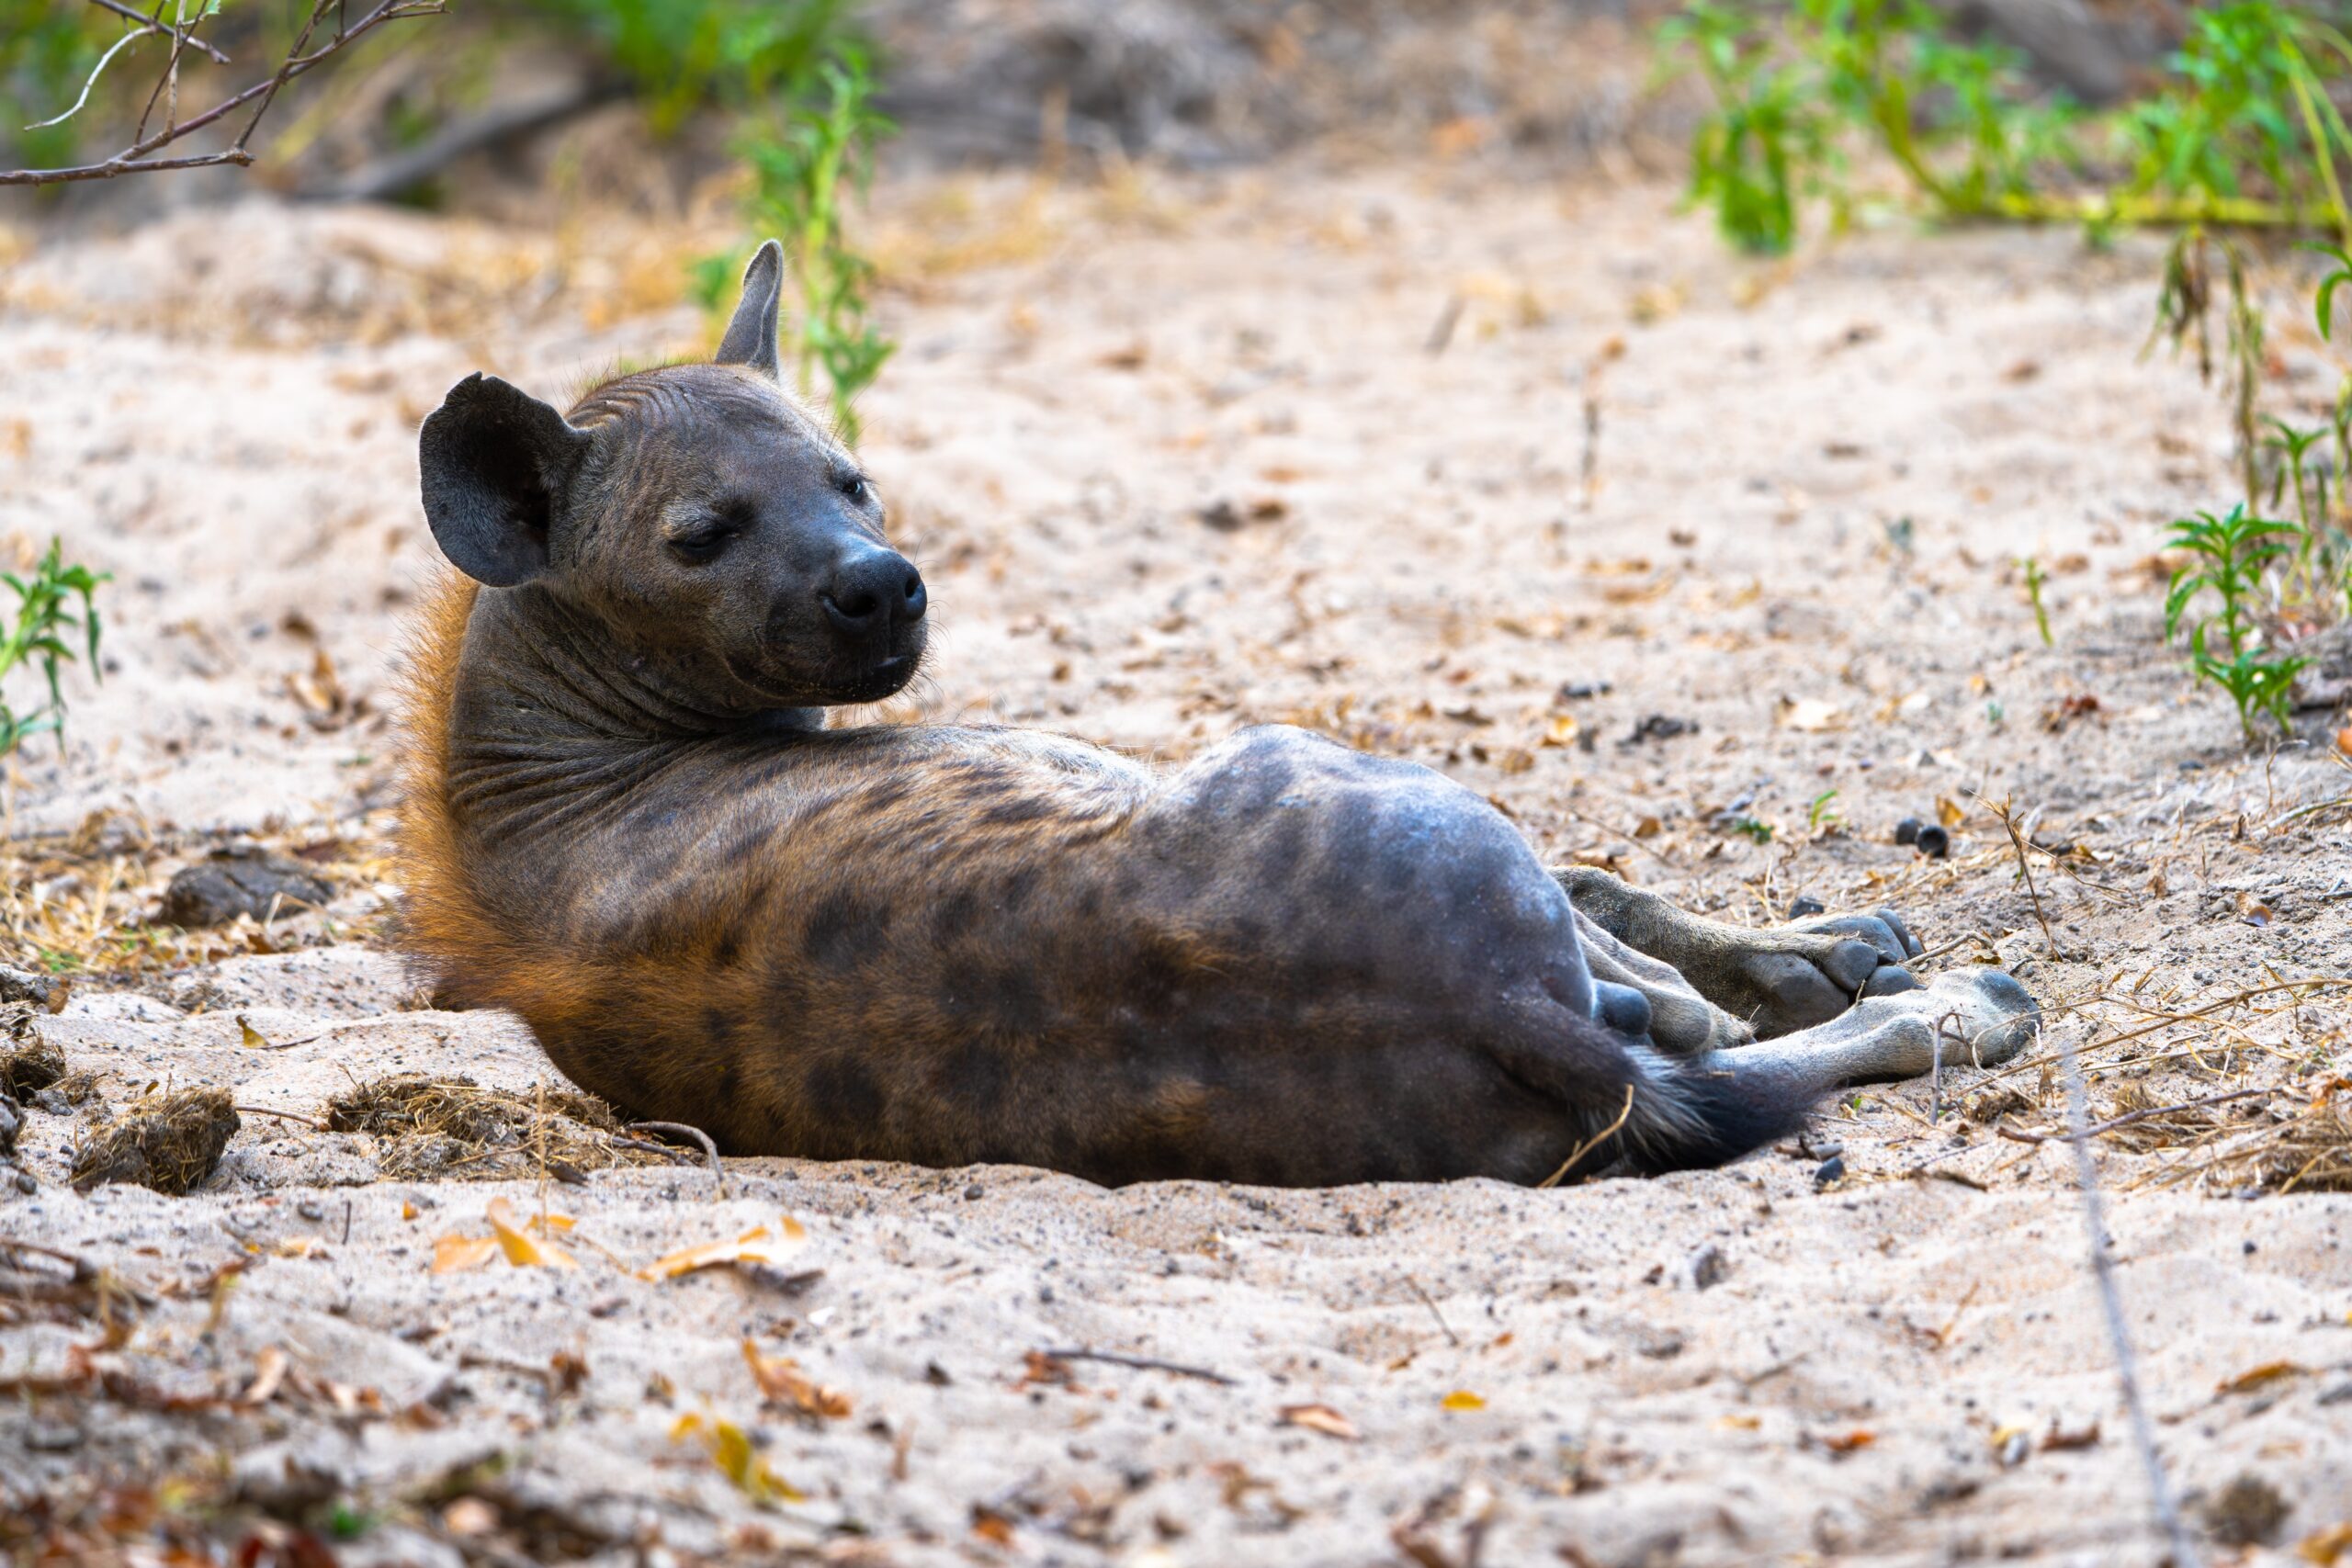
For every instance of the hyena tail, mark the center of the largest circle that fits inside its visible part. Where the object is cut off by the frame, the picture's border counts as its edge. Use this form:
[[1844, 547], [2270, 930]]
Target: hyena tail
[[1691, 1112]]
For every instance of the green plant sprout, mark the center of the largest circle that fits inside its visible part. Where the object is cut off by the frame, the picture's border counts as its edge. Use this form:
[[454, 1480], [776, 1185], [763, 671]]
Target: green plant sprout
[[2233, 555], [1754, 828], [1821, 813], [800, 174], [2035, 578], [39, 633]]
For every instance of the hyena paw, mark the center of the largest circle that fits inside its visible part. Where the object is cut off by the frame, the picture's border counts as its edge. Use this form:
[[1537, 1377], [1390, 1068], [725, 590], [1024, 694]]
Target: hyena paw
[[1804, 974]]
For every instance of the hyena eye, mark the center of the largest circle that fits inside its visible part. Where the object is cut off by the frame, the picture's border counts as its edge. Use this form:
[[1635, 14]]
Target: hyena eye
[[855, 487], [702, 544]]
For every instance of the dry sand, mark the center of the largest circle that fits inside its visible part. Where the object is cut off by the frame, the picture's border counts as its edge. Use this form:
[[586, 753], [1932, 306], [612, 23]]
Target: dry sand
[[1797, 527]]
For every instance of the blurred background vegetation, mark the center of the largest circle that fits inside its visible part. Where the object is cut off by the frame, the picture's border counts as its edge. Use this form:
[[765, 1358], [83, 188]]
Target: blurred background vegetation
[[2226, 126]]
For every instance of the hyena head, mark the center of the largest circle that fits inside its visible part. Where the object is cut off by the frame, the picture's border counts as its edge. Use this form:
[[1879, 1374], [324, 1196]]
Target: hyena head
[[724, 541]]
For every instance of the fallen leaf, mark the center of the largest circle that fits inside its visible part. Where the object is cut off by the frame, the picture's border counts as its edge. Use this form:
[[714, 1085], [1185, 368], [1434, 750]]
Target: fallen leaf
[[523, 1250], [763, 1245], [2058, 1440], [1849, 1442], [1810, 714], [2323, 1547], [736, 1458], [1740, 1423], [780, 1378], [1320, 1418], [454, 1254], [1463, 1399], [1949, 812], [2269, 1372], [251, 1038], [269, 1372]]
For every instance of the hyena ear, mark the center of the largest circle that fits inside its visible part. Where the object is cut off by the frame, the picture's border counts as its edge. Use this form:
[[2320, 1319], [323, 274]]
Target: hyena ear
[[751, 336], [494, 459]]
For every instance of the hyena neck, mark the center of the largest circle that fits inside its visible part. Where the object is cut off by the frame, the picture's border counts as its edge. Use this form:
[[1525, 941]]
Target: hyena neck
[[547, 724]]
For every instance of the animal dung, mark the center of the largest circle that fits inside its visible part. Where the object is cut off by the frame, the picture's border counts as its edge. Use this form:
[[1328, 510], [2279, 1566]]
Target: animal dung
[[170, 1141]]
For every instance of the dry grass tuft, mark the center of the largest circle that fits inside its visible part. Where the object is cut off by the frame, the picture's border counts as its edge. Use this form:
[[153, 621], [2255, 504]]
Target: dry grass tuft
[[170, 1141], [454, 1127]]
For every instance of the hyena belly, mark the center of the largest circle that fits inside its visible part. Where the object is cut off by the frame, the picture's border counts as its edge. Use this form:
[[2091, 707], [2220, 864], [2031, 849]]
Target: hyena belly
[[1286, 962]]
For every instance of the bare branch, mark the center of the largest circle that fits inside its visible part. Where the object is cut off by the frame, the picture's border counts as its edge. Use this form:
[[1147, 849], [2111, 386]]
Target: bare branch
[[149, 24], [125, 41], [134, 158]]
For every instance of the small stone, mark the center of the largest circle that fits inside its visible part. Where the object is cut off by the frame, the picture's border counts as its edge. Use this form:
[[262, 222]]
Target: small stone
[[1907, 830], [1805, 904], [974, 1191], [310, 1211], [1934, 842], [2247, 1512], [1708, 1269], [1831, 1170], [25, 1182], [239, 881]]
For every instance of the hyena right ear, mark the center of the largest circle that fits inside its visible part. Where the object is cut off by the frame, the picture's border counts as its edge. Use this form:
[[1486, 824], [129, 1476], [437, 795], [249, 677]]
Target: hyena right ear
[[493, 460], [751, 336]]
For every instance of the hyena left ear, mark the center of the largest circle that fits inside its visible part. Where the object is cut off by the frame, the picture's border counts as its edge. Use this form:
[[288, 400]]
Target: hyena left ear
[[751, 336]]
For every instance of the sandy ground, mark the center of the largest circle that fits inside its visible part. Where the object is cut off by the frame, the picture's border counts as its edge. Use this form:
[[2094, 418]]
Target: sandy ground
[[1483, 473]]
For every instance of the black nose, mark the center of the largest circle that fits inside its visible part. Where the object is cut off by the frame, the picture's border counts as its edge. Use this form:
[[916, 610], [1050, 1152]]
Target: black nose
[[873, 591]]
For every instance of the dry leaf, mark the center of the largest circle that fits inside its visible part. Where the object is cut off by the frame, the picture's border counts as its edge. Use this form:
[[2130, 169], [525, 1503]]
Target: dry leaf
[[2269, 1372], [1320, 1418], [1810, 714], [523, 1250], [2324, 1546], [269, 1372], [765, 1245], [454, 1254], [1948, 811], [1847, 1442], [780, 1378], [251, 1038], [1462, 1399], [734, 1454]]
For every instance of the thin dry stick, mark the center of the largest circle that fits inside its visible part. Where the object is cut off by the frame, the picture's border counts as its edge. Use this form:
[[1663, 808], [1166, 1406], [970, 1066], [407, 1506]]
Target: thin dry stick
[[1141, 1363], [1586, 1147], [2017, 1136], [2016, 842], [1451, 1338], [692, 1134], [2118, 1336], [134, 159]]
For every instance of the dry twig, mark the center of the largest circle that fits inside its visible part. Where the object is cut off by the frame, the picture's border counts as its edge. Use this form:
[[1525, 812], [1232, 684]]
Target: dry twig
[[135, 159]]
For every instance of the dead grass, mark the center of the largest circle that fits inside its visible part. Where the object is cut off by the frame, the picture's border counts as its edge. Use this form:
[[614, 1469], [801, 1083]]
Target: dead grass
[[454, 1128]]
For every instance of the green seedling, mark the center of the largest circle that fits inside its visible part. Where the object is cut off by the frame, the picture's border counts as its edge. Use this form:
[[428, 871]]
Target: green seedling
[[802, 173], [1821, 812], [1753, 827], [2227, 648], [2035, 578], [43, 633]]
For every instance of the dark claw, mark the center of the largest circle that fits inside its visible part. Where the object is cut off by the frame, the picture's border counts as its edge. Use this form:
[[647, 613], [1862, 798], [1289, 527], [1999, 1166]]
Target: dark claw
[[1850, 964], [1890, 980], [1911, 948], [1802, 995]]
